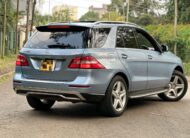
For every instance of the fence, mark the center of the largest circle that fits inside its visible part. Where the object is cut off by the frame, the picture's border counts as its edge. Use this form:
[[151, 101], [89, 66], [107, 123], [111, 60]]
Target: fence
[[10, 43]]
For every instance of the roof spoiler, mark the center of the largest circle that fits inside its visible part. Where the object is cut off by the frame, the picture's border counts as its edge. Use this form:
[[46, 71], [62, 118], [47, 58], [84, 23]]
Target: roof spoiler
[[56, 28]]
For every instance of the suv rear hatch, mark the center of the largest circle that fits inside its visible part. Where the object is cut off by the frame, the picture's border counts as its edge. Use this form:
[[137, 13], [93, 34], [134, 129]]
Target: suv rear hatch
[[50, 51]]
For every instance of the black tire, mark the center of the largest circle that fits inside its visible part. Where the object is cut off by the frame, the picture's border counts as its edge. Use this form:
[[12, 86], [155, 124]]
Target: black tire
[[106, 106], [164, 97], [38, 104]]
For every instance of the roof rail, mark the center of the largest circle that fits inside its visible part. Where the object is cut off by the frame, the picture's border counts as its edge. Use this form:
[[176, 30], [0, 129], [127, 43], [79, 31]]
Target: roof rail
[[98, 22], [86, 21], [116, 22], [109, 22], [132, 24]]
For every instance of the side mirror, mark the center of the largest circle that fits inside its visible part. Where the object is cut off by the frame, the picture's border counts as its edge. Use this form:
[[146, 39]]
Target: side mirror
[[164, 48]]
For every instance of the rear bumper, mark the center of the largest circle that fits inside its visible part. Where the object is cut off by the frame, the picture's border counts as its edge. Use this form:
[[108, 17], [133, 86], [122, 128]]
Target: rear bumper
[[63, 96], [60, 91]]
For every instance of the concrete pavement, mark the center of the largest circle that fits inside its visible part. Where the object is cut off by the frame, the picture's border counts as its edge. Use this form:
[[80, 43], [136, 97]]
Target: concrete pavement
[[147, 117]]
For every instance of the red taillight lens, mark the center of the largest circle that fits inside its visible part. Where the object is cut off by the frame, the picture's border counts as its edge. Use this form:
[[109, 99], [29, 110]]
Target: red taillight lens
[[85, 62], [75, 63], [21, 61], [58, 27]]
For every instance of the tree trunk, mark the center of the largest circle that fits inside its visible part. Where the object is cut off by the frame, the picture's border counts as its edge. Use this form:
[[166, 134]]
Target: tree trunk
[[16, 42], [33, 10], [175, 25], [128, 5], [4, 29], [27, 20], [49, 13]]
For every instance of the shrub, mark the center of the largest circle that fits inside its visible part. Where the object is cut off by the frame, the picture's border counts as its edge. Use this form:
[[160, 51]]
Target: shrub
[[164, 35]]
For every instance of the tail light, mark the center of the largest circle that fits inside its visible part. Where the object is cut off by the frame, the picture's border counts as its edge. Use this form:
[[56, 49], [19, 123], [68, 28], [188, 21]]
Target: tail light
[[21, 61], [85, 62]]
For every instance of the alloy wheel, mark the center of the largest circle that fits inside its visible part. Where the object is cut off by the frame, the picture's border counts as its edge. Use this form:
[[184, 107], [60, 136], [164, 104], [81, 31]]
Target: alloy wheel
[[119, 96], [176, 87]]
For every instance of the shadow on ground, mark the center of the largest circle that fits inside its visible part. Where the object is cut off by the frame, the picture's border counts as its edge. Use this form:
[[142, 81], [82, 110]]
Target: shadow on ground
[[83, 110]]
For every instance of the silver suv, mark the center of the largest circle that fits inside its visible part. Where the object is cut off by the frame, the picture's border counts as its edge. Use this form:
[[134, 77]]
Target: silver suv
[[105, 63]]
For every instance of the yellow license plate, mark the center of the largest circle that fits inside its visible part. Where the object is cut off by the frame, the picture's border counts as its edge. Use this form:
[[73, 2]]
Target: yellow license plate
[[47, 65]]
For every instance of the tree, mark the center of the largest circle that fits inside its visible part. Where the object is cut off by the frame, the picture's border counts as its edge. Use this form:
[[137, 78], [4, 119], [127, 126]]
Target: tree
[[183, 11], [4, 28], [175, 24], [16, 27], [136, 9], [40, 19], [140, 6], [118, 6], [60, 16], [90, 16], [7, 22], [33, 13], [113, 16], [145, 20], [27, 20], [10, 15]]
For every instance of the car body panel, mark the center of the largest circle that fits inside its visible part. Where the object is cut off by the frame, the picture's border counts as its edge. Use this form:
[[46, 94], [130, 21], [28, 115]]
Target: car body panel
[[160, 66], [137, 66], [62, 59]]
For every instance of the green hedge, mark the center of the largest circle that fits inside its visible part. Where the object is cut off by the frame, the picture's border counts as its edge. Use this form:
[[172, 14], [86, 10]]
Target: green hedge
[[164, 35], [187, 68]]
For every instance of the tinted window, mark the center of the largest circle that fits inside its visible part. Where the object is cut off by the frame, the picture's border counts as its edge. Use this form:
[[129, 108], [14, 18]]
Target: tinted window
[[61, 39], [100, 36], [120, 42], [143, 41], [126, 38]]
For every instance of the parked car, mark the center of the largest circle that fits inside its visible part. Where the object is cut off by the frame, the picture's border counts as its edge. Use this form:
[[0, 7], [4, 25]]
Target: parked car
[[105, 63]]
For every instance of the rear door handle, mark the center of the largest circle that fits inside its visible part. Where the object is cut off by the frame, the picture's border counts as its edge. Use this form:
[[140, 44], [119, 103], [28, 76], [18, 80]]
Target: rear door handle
[[150, 57], [124, 56]]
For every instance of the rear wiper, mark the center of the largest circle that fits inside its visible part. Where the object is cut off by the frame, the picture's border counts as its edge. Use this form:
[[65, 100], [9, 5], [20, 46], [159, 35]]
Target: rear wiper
[[60, 46]]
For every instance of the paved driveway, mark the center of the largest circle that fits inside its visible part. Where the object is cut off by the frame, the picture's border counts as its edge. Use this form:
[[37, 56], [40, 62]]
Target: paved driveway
[[146, 117]]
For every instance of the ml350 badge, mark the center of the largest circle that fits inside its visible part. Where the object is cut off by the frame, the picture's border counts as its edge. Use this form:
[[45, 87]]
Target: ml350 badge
[[47, 65]]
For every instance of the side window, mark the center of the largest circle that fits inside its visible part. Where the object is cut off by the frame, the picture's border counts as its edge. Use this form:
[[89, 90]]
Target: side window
[[100, 36], [120, 42], [144, 42], [126, 38]]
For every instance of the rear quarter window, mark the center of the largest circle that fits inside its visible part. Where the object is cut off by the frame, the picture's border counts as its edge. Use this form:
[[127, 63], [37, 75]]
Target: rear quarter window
[[100, 36]]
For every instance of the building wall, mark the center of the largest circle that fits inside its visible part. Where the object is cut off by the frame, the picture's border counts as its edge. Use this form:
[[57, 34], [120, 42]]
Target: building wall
[[100, 11]]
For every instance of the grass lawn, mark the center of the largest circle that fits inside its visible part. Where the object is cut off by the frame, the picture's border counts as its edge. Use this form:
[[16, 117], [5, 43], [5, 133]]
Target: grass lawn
[[7, 64]]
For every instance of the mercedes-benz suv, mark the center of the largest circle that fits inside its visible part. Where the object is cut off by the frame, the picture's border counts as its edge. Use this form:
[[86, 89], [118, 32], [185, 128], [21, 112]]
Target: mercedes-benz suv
[[105, 63]]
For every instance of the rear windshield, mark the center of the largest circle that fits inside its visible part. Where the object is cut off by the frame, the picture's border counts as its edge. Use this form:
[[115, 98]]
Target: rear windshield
[[64, 39], [69, 38]]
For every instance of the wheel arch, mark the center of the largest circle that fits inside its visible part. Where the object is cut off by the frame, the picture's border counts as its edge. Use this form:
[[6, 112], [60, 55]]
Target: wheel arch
[[125, 77], [176, 68], [179, 68]]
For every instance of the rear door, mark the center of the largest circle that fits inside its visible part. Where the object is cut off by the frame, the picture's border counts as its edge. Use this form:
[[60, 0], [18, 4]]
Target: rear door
[[133, 59], [51, 49]]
